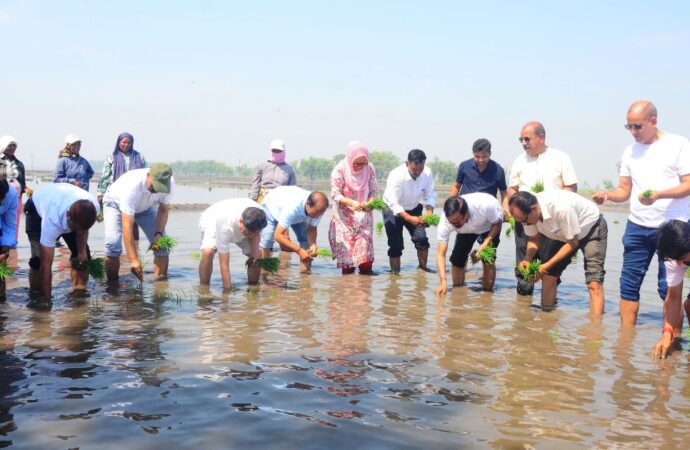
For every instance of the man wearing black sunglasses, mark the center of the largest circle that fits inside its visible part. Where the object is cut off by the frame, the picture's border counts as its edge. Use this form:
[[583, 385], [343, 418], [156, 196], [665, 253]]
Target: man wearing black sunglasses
[[655, 176], [539, 168]]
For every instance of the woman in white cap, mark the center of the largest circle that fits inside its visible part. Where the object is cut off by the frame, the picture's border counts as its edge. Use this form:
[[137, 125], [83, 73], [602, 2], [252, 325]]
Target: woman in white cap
[[71, 167], [272, 173]]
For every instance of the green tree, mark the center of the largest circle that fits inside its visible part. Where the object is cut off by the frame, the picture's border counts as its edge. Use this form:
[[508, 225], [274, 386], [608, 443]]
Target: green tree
[[314, 168], [383, 162], [608, 184], [444, 171]]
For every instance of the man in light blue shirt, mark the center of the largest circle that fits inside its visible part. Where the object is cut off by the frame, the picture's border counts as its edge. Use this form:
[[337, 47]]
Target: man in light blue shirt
[[292, 207]]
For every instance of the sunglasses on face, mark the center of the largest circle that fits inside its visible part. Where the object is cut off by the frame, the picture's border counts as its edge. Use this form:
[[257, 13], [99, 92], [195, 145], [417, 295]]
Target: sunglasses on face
[[633, 126], [524, 139]]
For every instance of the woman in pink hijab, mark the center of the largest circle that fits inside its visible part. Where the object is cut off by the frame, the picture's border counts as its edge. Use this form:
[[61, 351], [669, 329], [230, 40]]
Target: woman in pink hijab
[[353, 185]]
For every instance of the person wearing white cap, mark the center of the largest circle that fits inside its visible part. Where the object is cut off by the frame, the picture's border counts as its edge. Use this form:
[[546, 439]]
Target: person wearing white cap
[[272, 173], [71, 167]]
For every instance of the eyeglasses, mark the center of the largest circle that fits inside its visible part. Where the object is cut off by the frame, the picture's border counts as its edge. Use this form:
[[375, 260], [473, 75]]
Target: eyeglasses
[[633, 126], [524, 139]]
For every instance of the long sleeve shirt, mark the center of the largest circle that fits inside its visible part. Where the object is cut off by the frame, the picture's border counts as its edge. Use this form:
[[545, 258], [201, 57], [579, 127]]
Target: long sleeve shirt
[[108, 174], [270, 175], [403, 192], [8, 219], [15, 170], [69, 170]]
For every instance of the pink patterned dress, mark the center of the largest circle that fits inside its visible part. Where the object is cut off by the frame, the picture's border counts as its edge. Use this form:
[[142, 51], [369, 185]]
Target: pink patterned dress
[[351, 232]]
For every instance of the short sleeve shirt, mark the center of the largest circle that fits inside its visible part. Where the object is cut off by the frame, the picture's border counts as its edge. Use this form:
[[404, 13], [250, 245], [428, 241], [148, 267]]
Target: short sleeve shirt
[[131, 194], [485, 210], [675, 272], [565, 215], [224, 218], [286, 206], [553, 168], [657, 166], [52, 201], [491, 180]]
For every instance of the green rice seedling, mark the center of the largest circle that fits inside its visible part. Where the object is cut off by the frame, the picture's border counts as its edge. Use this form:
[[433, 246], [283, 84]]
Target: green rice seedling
[[616, 222], [431, 219], [94, 266], [554, 334], [164, 243], [511, 227], [376, 203], [538, 187], [324, 252], [531, 271], [487, 255], [647, 193], [195, 255], [687, 273], [5, 272], [379, 227], [270, 265]]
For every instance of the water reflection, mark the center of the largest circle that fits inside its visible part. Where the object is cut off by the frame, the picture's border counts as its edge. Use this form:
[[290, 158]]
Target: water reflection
[[351, 361]]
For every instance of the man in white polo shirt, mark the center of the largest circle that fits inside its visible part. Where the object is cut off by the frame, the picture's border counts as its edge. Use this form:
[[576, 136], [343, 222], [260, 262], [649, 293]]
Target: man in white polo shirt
[[56, 210], [238, 221], [567, 217], [405, 186], [131, 199], [540, 167], [655, 176], [470, 216], [673, 245]]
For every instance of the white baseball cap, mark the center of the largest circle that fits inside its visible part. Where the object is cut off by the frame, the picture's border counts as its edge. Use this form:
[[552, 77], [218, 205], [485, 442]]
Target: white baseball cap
[[278, 144]]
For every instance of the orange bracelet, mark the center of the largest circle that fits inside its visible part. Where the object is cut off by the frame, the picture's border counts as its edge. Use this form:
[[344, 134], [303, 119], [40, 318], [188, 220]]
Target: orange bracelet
[[669, 329]]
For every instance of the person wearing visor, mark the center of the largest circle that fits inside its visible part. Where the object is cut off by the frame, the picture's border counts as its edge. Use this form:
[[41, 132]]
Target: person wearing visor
[[53, 211], [141, 197], [272, 173]]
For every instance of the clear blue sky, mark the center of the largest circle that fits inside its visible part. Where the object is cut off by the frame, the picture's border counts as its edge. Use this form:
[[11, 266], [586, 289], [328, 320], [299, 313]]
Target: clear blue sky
[[219, 80]]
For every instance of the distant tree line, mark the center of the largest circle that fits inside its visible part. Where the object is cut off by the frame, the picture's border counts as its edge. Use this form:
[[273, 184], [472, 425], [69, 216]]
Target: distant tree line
[[313, 168]]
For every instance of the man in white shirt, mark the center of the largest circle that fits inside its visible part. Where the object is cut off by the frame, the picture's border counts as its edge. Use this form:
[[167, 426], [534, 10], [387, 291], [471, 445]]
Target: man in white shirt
[[539, 168], [238, 221], [567, 217], [470, 216], [131, 199], [655, 176], [293, 207], [53, 211], [673, 244], [405, 186]]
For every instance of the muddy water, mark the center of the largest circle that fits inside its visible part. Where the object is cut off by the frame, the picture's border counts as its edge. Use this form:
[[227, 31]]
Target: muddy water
[[325, 360]]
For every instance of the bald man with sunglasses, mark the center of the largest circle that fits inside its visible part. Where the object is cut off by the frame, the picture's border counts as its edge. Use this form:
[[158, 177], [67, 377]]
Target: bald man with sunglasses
[[655, 177], [539, 168]]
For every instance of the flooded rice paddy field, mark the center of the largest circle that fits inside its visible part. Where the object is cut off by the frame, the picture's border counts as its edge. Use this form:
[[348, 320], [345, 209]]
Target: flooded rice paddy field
[[320, 360]]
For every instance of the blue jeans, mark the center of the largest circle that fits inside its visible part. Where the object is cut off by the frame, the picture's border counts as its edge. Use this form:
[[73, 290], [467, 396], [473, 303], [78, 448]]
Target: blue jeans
[[639, 246], [112, 224]]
